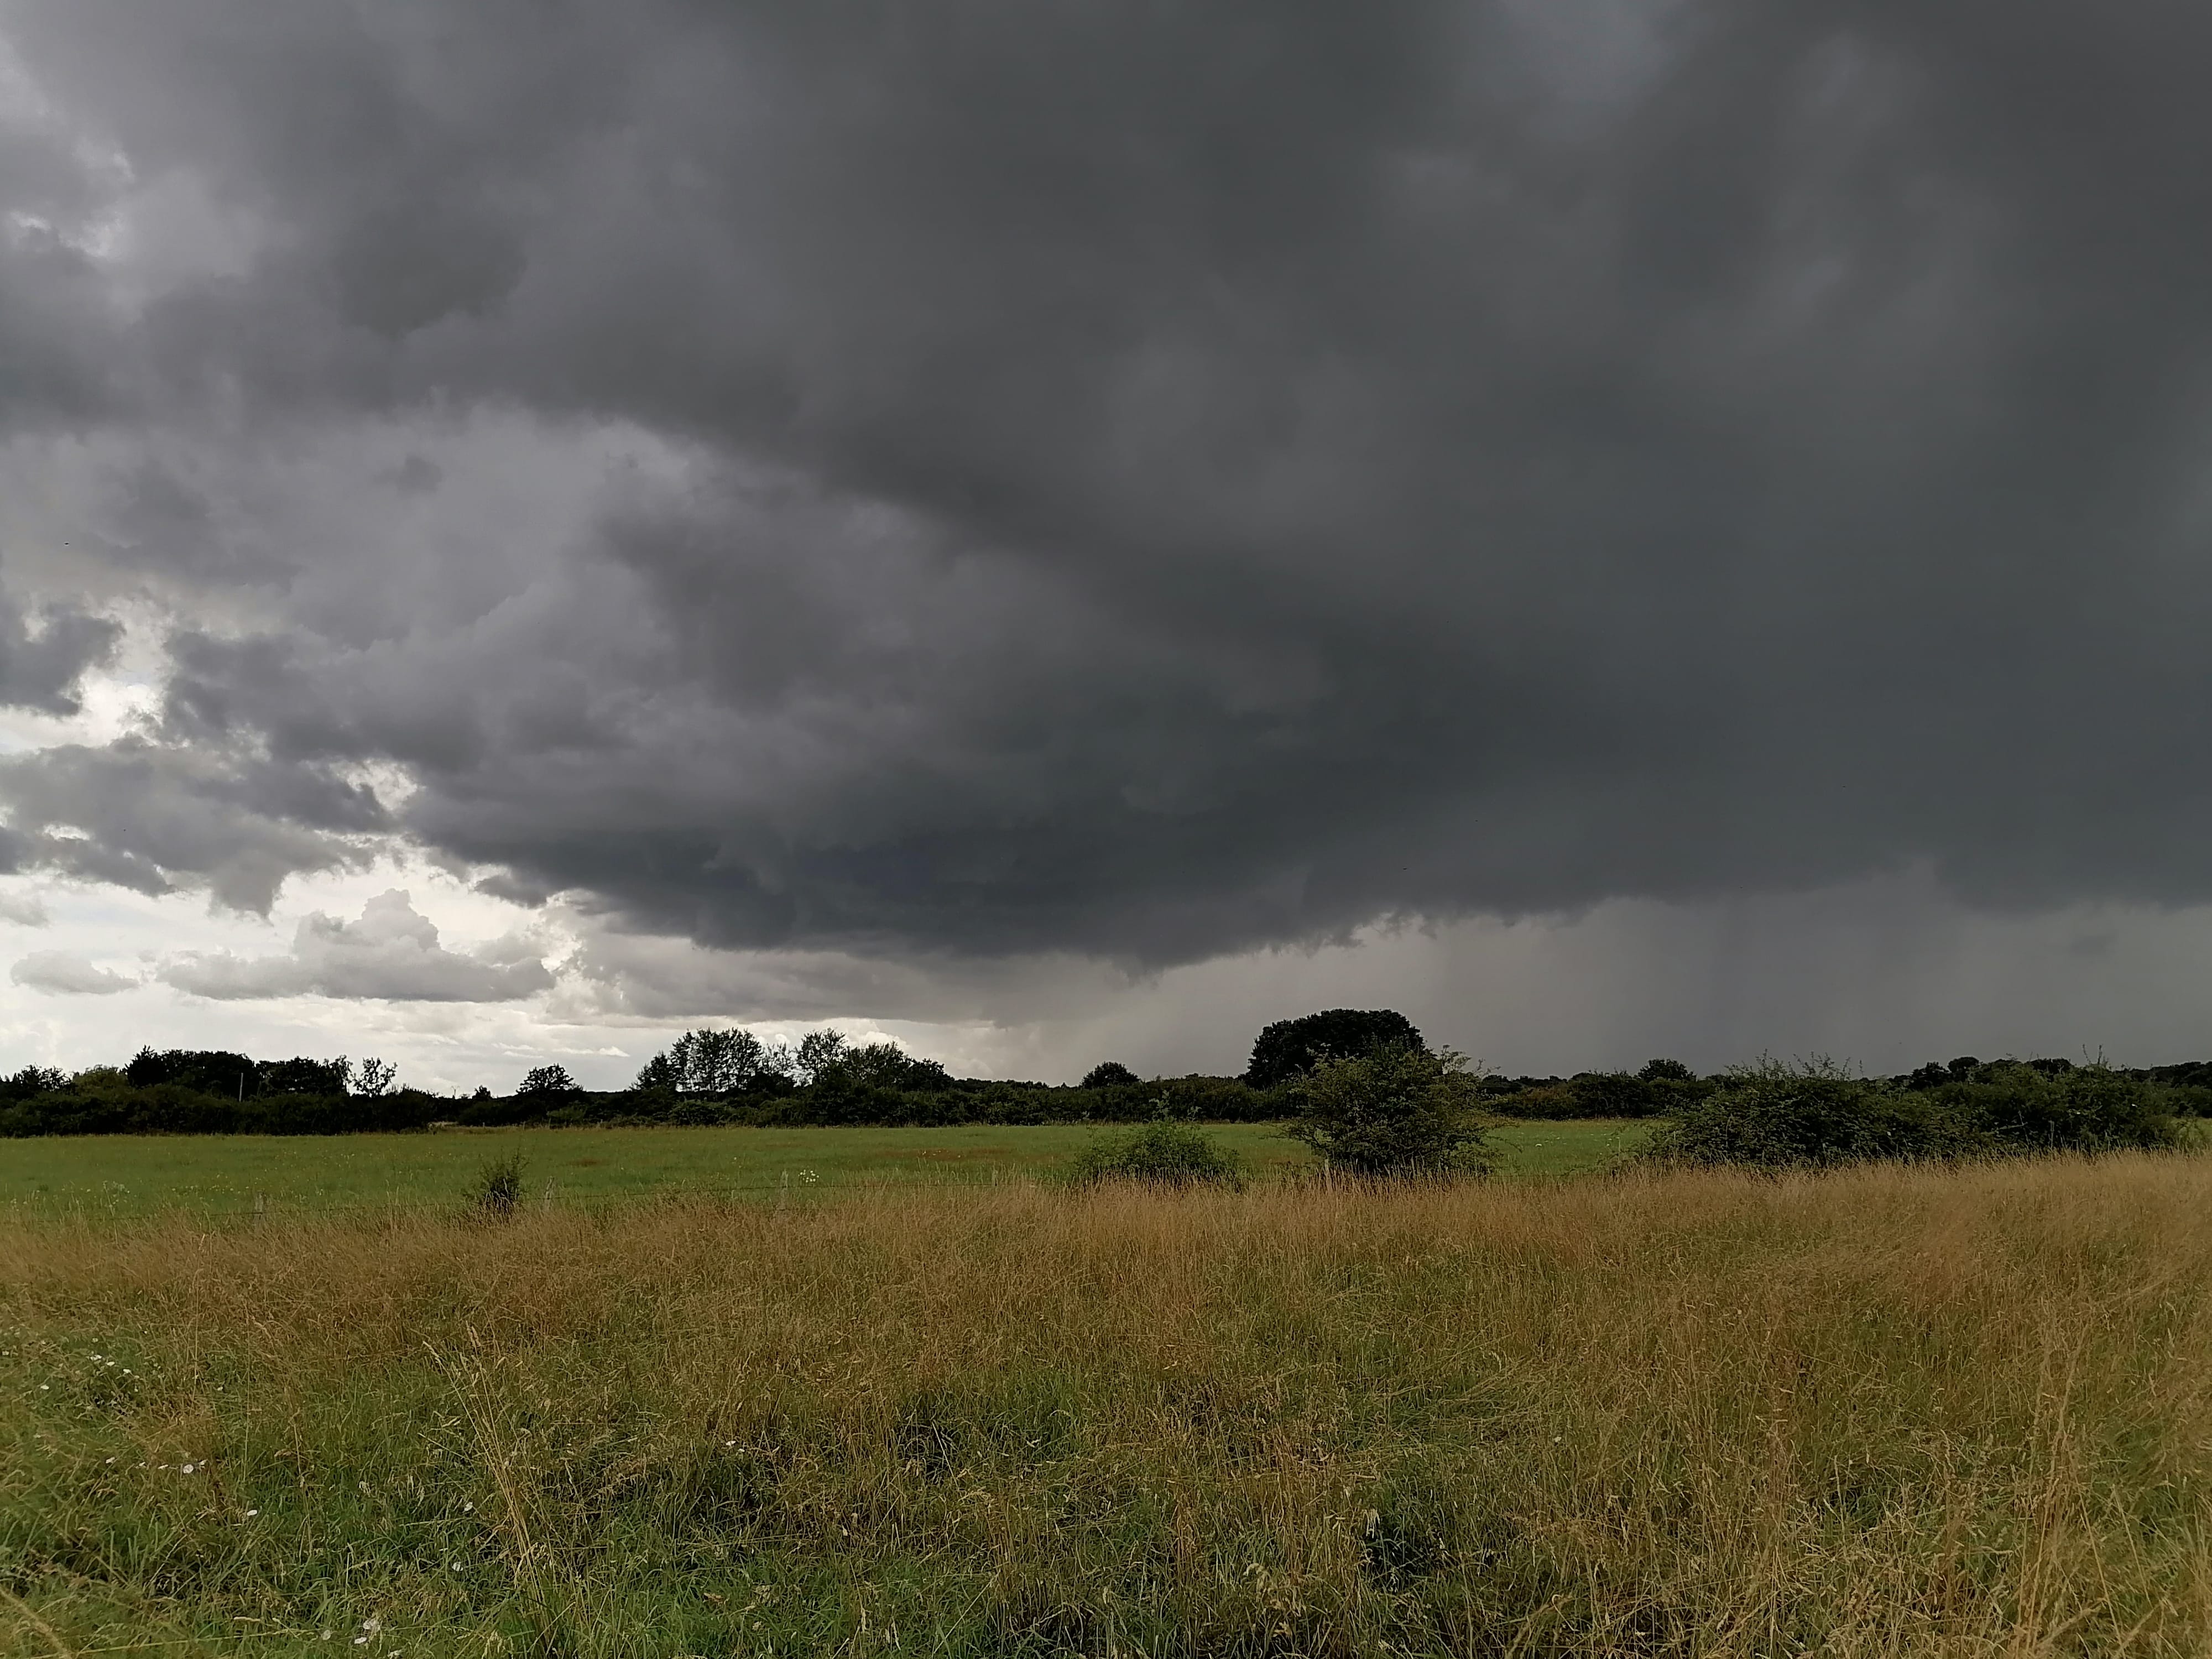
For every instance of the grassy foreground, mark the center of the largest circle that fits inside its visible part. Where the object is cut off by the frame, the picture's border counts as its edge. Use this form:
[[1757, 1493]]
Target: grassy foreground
[[1880, 1413], [218, 1175]]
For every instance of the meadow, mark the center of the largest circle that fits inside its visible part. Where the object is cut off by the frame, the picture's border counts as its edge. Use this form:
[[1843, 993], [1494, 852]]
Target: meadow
[[214, 1175], [1879, 1412]]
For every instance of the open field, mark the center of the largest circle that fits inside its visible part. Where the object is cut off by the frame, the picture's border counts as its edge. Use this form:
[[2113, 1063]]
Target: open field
[[1879, 1412], [136, 1175]]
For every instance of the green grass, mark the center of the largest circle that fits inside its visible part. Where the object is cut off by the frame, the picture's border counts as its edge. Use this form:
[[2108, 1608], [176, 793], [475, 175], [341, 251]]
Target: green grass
[[125, 1176]]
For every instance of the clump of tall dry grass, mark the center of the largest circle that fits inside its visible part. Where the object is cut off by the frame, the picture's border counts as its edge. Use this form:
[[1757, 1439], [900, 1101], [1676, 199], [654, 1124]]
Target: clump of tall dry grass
[[1883, 1412]]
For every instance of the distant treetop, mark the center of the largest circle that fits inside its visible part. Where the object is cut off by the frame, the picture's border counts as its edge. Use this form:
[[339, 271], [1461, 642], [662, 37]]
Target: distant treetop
[[1289, 1046], [548, 1081], [1108, 1074]]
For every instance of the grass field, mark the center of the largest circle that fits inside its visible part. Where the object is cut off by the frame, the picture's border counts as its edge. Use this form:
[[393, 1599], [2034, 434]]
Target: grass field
[[136, 1175], [1880, 1413]]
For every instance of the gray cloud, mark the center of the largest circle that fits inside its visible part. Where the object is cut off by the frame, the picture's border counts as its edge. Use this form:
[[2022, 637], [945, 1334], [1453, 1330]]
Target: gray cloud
[[65, 973], [1147, 482], [23, 910], [145, 816], [391, 952], [41, 668]]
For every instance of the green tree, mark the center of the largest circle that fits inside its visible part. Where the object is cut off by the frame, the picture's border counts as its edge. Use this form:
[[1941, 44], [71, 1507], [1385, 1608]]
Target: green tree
[[1394, 1110], [819, 1052], [548, 1081]]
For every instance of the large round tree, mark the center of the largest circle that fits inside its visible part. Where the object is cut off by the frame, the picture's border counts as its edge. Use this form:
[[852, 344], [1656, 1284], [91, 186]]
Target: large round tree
[[1289, 1046]]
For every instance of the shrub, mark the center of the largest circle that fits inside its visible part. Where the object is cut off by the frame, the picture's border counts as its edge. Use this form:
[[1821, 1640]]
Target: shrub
[[2016, 1107], [1212, 1099], [498, 1187], [1399, 1109], [1780, 1114], [1287, 1048], [1520, 1098], [1611, 1094], [1163, 1153]]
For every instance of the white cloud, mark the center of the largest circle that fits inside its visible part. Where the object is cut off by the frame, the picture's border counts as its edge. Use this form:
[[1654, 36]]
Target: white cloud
[[391, 953], [65, 973]]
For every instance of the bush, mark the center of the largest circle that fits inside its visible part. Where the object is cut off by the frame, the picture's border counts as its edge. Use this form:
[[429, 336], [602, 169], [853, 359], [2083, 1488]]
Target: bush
[[1611, 1094], [1396, 1110], [498, 1187], [1780, 1114], [2015, 1107], [1163, 1153], [1774, 1115], [1213, 1099]]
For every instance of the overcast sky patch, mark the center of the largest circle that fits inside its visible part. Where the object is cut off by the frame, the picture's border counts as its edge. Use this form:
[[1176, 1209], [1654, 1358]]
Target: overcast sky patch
[[855, 506]]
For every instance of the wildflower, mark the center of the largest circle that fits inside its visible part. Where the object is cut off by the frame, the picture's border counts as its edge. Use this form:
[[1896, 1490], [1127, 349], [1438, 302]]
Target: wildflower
[[189, 1467], [250, 1514]]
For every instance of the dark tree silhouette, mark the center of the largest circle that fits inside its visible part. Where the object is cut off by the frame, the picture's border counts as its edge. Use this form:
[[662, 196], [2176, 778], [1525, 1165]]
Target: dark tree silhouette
[[1289, 1046]]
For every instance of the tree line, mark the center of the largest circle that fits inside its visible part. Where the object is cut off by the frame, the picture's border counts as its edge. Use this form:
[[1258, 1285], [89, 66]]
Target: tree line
[[733, 1076]]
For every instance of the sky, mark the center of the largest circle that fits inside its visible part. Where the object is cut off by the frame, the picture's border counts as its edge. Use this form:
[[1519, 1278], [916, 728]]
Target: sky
[[1062, 533]]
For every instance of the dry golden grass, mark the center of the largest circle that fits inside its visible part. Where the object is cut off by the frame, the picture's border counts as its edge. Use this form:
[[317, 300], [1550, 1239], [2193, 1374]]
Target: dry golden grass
[[1878, 1413]]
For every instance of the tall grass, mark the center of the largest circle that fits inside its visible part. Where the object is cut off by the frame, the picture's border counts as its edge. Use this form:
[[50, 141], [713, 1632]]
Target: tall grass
[[1881, 1411]]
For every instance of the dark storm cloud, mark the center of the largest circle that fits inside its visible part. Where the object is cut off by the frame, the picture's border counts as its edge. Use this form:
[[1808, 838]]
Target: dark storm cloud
[[41, 665], [156, 815], [1150, 480]]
